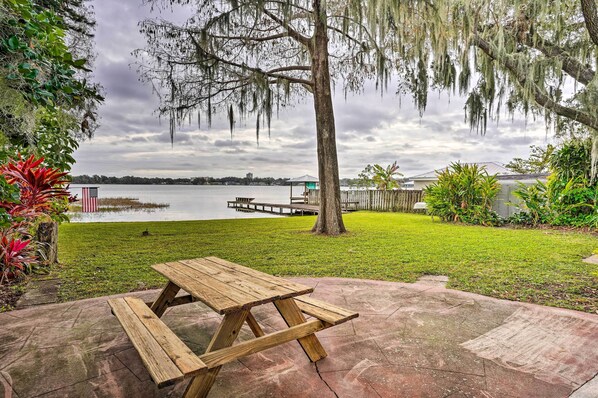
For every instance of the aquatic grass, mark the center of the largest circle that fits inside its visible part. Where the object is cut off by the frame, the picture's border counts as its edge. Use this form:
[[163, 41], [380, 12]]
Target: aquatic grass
[[538, 266], [120, 204]]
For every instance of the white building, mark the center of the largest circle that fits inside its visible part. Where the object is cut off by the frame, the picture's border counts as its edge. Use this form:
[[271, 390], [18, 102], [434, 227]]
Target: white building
[[421, 181], [509, 181]]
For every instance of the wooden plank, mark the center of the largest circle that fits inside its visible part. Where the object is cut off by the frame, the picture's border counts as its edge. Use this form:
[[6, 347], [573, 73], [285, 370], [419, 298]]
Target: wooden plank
[[226, 355], [254, 326], [188, 363], [162, 370], [203, 293], [293, 317], [236, 280], [240, 296], [226, 335], [296, 287], [325, 311], [165, 298], [249, 283]]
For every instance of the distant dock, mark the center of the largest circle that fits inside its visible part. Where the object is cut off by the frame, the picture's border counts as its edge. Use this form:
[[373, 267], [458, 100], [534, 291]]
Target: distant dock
[[295, 209]]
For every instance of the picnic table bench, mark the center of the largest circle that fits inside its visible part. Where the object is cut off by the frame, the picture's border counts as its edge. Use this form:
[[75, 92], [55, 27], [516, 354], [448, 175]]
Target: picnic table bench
[[232, 291]]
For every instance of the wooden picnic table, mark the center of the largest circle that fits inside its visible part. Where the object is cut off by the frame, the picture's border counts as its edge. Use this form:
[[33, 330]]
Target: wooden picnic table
[[232, 291]]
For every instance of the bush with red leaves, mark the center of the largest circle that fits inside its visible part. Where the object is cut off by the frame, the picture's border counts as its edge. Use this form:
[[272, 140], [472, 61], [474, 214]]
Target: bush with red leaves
[[15, 257], [39, 189]]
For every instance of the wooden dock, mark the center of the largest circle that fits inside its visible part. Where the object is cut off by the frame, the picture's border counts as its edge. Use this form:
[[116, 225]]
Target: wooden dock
[[274, 208], [295, 209]]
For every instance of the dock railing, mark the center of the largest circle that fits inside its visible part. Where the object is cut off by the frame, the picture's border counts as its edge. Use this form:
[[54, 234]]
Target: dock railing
[[376, 200]]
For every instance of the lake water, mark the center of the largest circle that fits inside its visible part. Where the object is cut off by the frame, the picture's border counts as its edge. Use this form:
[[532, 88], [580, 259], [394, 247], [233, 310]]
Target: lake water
[[187, 202]]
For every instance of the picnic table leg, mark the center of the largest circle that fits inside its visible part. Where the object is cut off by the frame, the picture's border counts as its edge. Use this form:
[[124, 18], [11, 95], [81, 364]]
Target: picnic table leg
[[254, 326], [165, 298], [225, 336], [293, 316]]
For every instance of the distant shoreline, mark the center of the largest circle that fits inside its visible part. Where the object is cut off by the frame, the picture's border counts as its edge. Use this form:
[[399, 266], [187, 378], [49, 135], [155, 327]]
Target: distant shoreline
[[178, 184], [212, 181], [133, 180]]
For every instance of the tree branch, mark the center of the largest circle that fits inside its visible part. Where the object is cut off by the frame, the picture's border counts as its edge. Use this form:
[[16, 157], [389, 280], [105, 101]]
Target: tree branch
[[346, 35], [250, 38], [290, 30], [540, 97], [272, 73], [580, 72], [290, 68]]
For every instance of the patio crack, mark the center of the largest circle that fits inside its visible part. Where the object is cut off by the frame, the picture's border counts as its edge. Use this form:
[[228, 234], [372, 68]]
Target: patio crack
[[325, 382], [580, 386]]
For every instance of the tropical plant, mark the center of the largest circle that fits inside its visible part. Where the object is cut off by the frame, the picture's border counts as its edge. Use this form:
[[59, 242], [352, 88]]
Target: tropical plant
[[533, 203], [8, 194], [15, 257], [569, 198], [385, 178], [38, 186], [572, 160], [463, 193], [30, 192]]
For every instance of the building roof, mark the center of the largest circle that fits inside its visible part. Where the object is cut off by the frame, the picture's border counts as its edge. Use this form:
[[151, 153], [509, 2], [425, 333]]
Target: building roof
[[531, 176], [491, 167], [305, 178]]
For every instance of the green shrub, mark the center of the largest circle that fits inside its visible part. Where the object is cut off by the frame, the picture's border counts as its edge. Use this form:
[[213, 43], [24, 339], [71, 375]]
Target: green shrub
[[534, 204], [569, 198], [463, 193]]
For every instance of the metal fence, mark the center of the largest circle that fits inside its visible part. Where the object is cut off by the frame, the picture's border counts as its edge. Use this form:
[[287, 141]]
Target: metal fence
[[376, 200]]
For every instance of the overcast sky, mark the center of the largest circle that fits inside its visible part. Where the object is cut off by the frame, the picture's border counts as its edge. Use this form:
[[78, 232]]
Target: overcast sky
[[370, 128]]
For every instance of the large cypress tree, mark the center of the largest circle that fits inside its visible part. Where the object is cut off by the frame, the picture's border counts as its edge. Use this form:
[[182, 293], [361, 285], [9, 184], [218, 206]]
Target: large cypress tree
[[244, 57]]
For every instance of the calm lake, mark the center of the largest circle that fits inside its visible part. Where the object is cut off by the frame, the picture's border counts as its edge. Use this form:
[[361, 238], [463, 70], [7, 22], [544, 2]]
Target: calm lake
[[187, 202]]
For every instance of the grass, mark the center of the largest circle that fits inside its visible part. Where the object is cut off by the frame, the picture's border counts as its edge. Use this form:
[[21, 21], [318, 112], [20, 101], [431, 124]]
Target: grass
[[538, 266]]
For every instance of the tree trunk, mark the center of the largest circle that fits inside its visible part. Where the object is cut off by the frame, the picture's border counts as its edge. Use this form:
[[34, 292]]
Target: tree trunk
[[47, 242], [590, 15], [330, 220]]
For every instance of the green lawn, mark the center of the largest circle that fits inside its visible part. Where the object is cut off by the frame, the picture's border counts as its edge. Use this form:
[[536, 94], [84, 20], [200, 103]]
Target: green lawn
[[539, 266]]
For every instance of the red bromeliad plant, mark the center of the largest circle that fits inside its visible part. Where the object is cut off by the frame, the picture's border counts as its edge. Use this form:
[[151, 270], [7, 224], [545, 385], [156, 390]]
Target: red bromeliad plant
[[40, 188], [15, 257]]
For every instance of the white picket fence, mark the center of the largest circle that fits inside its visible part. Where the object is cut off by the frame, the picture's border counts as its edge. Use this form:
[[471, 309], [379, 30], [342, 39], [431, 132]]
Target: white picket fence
[[376, 200]]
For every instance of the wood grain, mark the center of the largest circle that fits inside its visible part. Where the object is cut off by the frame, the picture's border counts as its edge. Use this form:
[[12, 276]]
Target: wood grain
[[188, 363], [162, 370], [254, 326], [227, 287], [292, 315], [226, 355], [328, 313], [165, 298], [227, 333]]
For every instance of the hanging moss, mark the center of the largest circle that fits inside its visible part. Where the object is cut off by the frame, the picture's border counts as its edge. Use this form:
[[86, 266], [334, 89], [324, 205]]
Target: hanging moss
[[222, 59], [528, 53]]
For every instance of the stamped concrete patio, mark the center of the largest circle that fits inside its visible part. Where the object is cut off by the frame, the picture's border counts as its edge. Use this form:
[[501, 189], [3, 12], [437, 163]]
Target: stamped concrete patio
[[411, 340]]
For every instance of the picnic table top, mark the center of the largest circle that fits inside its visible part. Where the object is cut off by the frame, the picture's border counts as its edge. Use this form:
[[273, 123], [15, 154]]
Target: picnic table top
[[228, 287]]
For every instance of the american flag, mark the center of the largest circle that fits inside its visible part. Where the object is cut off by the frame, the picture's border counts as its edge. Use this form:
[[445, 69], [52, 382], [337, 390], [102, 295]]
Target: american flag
[[90, 199]]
